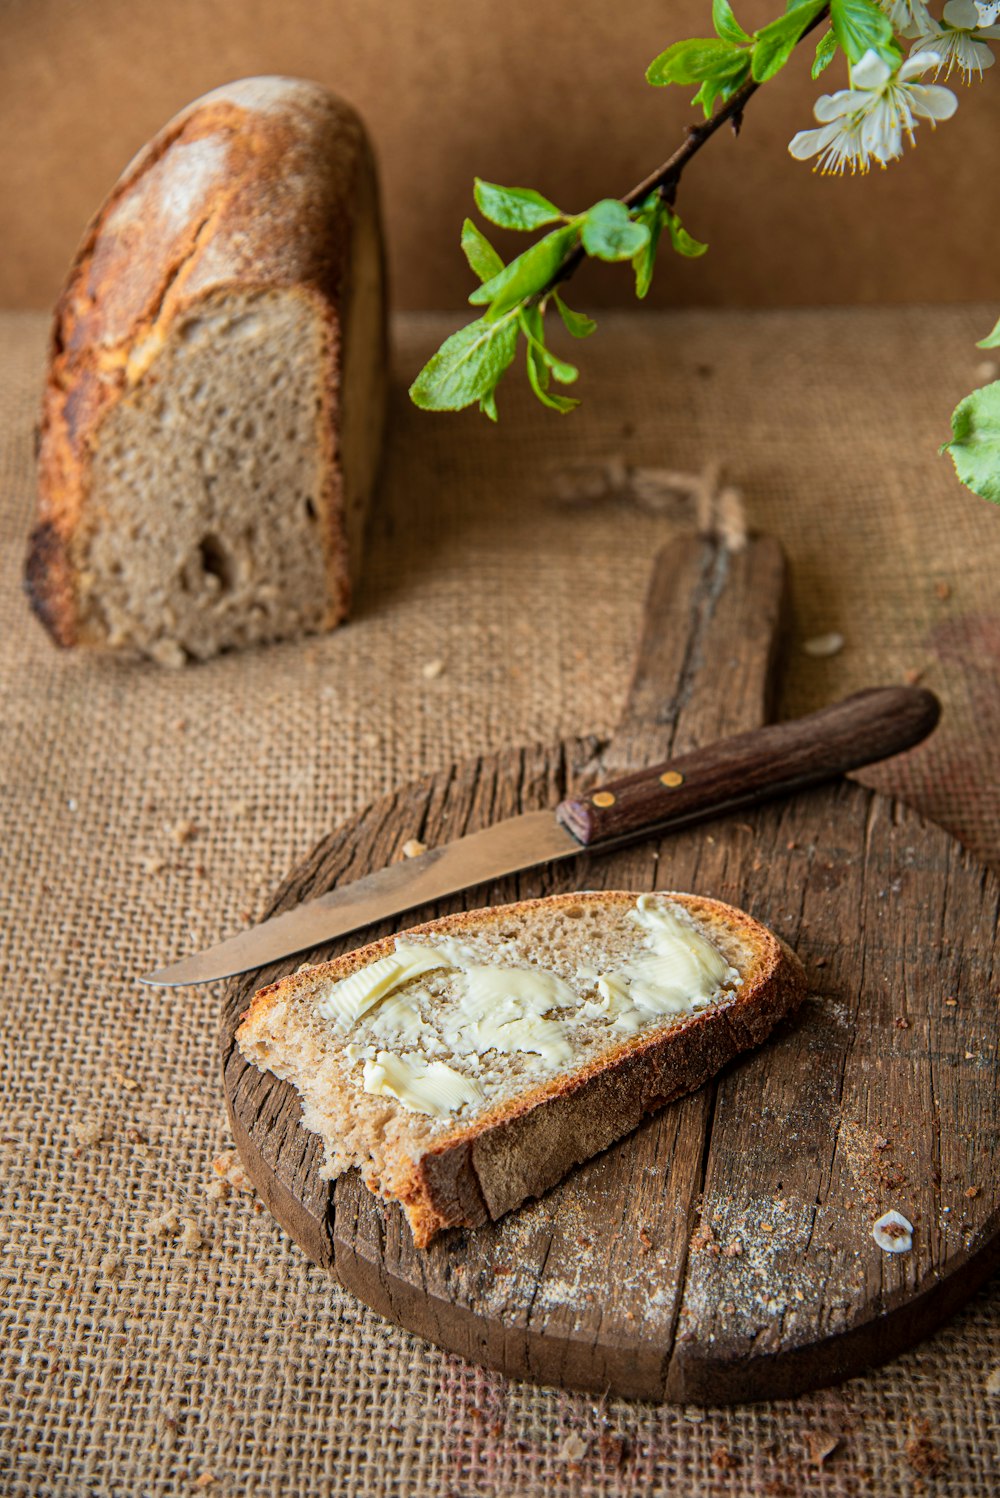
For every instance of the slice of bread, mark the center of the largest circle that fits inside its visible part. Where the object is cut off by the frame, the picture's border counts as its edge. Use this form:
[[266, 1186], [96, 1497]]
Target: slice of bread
[[473, 1060], [213, 412]]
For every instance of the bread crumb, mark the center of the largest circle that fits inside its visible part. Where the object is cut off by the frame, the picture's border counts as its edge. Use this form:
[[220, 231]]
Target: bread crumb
[[217, 1191], [128, 1083], [431, 670], [902, 1023], [170, 1224], [912, 675], [572, 1448], [110, 1265], [722, 1459], [923, 1454], [205, 1480], [135, 1136], [183, 831], [190, 1238], [987, 370], [230, 1167], [613, 1448], [951, 1001], [733, 1250], [893, 1233], [152, 865], [821, 1445], [645, 1240], [972, 1191], [87, 1130], [164, 1226], [168, 653], [992, 1384], [820, 646], [413, 848], [943, 591]]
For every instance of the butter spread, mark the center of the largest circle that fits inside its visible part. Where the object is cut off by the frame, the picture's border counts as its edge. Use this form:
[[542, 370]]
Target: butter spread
[[503, 1009], [346, 1001], [469, 1009], [680, 972], [430, 1087]]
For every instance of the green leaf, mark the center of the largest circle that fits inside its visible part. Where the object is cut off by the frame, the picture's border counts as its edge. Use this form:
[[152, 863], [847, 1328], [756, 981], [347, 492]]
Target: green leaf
[[488, 405], [541, 363], [466, 367], [775, 43], [528, 274], [719, 66], [826, 51], [538, 377], [515, 207], [860, 26], [533, 328], [479, 252], [992, 340], [682, 241], [722, 87], [577, 323], [610, 233], [726, 25], [653, 214], [975, 444], [691, 61]]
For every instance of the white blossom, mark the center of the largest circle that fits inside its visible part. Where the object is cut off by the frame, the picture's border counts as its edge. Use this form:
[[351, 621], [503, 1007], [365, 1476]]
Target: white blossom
[[867, 121], [908, 17], [959, 38], [988, 11]]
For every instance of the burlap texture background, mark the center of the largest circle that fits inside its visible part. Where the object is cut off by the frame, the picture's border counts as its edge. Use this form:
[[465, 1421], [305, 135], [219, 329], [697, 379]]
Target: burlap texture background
[[135, 1364]]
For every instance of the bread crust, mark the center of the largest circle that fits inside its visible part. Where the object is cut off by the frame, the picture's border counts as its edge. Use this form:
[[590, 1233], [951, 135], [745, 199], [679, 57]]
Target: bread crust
[[479, 1171], [253, 186]]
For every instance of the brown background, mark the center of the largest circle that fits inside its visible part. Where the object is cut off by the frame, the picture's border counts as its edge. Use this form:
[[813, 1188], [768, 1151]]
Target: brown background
[[542, 92]]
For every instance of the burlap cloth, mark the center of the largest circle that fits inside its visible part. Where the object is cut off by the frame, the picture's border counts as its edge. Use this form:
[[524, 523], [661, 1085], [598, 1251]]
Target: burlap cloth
[[135, 1362]]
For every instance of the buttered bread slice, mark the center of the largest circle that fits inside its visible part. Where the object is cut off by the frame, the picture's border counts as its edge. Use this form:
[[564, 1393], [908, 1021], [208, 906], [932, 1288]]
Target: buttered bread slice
[[466, 1064]]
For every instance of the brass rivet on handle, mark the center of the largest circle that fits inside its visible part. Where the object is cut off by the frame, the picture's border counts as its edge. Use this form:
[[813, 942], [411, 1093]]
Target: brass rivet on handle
[[603, 798], [671, 778]]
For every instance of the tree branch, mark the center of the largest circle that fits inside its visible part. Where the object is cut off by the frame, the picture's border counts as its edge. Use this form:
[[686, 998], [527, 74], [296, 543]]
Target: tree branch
[[667, 177]]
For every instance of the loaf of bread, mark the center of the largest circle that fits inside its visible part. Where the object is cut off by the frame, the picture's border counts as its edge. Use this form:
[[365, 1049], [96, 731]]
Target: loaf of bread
[[467, 1064], [214, 404]]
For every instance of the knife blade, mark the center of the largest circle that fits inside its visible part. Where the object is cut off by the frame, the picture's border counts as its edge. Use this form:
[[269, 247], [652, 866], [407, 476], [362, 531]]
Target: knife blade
[[730, 775]]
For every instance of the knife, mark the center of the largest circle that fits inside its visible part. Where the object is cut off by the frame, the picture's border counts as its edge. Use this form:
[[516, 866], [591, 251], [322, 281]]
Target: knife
[[730, 775]]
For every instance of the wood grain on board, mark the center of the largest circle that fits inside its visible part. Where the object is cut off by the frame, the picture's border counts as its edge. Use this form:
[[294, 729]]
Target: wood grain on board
[[723, 1251]]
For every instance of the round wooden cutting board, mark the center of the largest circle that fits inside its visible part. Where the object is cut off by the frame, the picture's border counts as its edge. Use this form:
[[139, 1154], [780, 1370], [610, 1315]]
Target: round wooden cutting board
[[724, 1250]]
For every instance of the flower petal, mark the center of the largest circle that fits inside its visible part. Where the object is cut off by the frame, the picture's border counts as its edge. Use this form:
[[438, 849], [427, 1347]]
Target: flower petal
[[835, 106], [882, 135], [931, 101], [961, 13], [870, 71], [917, 63], [810, 142]]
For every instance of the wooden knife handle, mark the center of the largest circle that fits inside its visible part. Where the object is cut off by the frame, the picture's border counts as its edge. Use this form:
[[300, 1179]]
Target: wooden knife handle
[[753, 767]]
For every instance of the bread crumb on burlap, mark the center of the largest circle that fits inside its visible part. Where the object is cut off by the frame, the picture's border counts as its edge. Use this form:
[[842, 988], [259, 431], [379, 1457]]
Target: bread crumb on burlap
[[88, 1130], [171, 1225], [229, 1169]]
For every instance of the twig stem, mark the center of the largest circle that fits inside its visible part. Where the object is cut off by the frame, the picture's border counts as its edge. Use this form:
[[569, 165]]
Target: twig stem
[[667, 177]]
